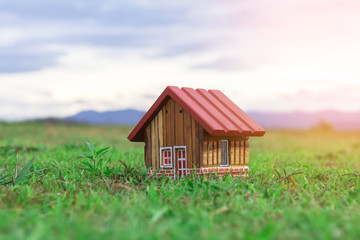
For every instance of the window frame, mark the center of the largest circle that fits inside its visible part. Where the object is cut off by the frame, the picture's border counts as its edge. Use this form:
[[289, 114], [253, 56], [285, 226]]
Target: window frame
[[227, 155], [171, 157]]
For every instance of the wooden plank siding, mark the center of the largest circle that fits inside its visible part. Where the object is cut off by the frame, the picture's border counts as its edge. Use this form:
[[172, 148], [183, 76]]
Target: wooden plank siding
[[232, 153], [153, 144], [210, 153], [197, 143], [194, 132], [179, 125], [205, 154], [215, 151], [173, 126], [170, 118], [148, 147], [161, 128], [246, 152], [165, 125], [237, 153], [242, 153], [219, 152], [188, 138], [238, 150]]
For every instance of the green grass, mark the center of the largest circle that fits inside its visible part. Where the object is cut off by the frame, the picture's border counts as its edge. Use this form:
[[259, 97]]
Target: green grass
[[302, 185]]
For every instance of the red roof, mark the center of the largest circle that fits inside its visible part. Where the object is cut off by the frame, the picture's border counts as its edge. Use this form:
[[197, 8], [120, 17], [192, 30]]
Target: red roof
[[215, 112]]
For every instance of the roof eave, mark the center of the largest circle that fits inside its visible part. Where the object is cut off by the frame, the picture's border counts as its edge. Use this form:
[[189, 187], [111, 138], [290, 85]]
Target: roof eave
[[237, 134]]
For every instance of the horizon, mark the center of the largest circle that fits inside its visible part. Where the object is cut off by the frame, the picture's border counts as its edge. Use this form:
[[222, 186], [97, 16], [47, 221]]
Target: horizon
[[144, 111], [323, 120], [60, 57]]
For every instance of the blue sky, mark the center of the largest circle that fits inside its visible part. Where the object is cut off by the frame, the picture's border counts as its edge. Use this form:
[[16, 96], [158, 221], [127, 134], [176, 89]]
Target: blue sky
[[61, 57]]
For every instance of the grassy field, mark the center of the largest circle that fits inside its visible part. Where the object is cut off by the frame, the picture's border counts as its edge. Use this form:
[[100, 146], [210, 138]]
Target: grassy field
[[302, 185]]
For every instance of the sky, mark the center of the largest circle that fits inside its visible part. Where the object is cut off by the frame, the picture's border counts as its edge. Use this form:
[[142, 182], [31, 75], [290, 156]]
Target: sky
[[60, 57]]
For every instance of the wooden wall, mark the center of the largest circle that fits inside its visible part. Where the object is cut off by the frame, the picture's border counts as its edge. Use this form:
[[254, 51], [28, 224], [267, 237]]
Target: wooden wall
[[238, 151], [172, 126]]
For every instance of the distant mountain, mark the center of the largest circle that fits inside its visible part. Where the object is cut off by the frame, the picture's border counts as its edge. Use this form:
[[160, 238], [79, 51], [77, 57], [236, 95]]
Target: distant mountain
[[121, 117], [272, 120]]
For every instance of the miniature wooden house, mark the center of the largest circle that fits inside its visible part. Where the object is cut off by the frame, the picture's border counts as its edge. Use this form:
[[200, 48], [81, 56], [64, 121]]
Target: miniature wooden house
[[200, 131]]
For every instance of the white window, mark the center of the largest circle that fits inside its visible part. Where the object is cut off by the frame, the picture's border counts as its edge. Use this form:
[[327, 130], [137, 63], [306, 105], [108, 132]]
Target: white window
[[224, 153], [166, 157]]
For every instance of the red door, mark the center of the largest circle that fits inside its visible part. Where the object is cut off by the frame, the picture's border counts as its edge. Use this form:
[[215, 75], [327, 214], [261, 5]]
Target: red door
[[181, 161]]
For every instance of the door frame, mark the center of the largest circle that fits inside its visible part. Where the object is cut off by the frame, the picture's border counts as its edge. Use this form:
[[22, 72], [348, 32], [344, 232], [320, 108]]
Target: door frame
[[176, 161]]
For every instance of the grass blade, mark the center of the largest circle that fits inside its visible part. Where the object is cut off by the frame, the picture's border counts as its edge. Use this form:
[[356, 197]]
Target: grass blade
[[91, 147], [102, 151], [85, 156], [3, 177], [16, 165], [24, 171]]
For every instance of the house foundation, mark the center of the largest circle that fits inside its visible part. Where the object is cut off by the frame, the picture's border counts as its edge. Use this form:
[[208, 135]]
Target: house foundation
[[219, 171]]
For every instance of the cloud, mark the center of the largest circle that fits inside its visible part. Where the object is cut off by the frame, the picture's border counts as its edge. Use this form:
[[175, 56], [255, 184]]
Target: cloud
[[20, 59], [128, 13], [150, 96], [247, 31], [227, 65], [28, 24], [173, 28]]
